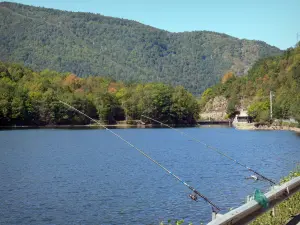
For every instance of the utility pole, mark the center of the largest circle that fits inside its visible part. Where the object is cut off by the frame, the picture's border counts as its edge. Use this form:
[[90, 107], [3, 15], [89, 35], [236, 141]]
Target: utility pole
[[297, 38], [271, 108]]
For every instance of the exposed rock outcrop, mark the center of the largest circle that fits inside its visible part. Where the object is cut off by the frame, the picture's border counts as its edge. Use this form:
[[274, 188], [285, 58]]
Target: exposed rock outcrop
[[215, 109]]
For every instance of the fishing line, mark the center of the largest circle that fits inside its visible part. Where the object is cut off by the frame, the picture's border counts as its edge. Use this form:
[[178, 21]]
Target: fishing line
[[215, 208], [212, 148]]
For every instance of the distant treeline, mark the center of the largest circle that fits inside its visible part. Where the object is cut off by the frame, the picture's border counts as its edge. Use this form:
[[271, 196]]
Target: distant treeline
[[280, 74], [31, 98]]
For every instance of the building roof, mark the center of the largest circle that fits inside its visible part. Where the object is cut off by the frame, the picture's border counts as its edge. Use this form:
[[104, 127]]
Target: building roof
[[243, 113]]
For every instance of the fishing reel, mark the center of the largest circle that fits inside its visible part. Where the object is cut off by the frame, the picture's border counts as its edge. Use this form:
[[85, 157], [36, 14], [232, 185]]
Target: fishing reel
[[253, 177], [194, 196]]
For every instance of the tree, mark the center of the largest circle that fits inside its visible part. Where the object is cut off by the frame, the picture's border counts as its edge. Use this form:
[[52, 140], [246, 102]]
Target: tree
[[109, 109], [227, 76], [205, 97], [259, 111], [7, 87], [184, 108], [231, 106]]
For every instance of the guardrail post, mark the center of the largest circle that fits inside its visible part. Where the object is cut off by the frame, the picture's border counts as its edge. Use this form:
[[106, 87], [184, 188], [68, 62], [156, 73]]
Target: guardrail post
[[249, 198], [213, 215], [273, 212]]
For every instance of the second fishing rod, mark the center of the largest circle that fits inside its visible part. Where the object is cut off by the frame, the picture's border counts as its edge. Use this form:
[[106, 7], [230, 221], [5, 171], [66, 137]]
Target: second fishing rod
[[212, 148]]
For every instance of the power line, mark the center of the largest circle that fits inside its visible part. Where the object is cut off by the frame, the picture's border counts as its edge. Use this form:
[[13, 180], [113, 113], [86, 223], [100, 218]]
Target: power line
[[215, 208], [212, 148]]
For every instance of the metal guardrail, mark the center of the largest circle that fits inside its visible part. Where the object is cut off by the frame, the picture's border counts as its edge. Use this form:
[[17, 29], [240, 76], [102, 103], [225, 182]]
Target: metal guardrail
[[249, 211]]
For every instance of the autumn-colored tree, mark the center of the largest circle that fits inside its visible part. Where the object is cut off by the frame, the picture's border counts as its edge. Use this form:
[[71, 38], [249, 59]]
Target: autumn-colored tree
[[112, 88], [227, 76], [72, 81]]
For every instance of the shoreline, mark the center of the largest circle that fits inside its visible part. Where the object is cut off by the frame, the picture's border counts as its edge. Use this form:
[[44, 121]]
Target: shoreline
[[251, 126], [95, 126], [239, 126], [273, 127], [87, 126]]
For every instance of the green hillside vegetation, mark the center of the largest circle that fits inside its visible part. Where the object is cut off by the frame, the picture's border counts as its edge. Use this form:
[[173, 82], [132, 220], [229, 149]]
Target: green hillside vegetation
[[92, 44], [280, 74], [31, 98]]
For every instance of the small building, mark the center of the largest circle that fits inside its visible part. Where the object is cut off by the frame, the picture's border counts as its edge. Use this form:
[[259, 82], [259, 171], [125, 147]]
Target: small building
[[242, 117]]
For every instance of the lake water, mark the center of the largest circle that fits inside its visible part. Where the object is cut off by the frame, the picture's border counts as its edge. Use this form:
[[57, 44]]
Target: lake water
[[89, 176]]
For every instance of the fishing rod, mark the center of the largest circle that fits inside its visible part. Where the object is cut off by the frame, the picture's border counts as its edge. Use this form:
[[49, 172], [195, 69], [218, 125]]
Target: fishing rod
[[212, 148], [194, 197]]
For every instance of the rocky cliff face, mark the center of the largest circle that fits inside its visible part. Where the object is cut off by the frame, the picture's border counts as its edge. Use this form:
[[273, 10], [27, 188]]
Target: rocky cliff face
[[215, 109]]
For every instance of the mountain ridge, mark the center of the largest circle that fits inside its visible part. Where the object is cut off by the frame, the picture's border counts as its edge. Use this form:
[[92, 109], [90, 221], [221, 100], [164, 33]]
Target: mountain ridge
[[94, 44]]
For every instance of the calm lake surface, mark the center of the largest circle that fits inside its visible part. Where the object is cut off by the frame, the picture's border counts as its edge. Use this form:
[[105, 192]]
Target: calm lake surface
[[52, 176]]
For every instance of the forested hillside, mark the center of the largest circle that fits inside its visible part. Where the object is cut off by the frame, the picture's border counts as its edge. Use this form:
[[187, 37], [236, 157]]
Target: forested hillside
[[92, 44], [280, 74], [32, 98]]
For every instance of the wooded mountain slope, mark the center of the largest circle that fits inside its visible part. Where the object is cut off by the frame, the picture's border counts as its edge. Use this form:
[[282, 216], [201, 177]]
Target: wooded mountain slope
[[92, 44]]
